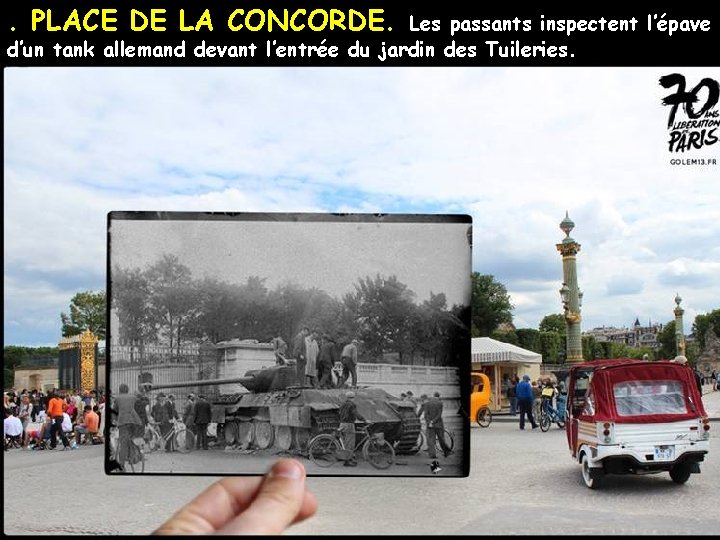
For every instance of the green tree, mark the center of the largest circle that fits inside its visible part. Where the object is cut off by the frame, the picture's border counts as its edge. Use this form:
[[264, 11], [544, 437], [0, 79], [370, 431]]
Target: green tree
[[588, 347], [173, 299], [529, 338], [551, 344], [491, 305], [506, 336], [87, 312], [553, 323], [702, 323], [383, 307], [130, 294], [666, 338], [15, 356]]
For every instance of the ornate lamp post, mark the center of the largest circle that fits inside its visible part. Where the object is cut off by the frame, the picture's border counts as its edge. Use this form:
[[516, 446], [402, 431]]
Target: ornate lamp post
[[570, 293], [679, 331]]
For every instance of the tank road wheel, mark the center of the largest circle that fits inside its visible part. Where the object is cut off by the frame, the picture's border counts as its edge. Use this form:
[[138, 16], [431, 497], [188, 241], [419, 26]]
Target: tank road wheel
[[283, 437], [301, 437], [264, 434], [680, 473], [323, 450], [592, 483], [246, 434], [231, 433]]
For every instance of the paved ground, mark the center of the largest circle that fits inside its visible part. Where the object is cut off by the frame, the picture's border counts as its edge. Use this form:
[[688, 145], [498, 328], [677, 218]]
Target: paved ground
[[521, 482]]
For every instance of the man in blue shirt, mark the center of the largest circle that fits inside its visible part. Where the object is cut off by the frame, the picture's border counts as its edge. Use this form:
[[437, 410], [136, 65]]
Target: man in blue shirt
[[525, 397]]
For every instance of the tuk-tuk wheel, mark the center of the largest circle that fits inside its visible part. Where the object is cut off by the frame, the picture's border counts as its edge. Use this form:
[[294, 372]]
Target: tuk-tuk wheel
[[592, 483], [680, 473], [484, 417]]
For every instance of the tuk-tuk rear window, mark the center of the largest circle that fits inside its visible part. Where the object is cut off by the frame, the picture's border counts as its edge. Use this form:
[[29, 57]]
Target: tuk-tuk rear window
[[637, 398]]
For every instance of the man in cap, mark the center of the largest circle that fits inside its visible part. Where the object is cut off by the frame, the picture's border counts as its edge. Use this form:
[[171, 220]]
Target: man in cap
[[161, 417], [189, 418], [348, 416]]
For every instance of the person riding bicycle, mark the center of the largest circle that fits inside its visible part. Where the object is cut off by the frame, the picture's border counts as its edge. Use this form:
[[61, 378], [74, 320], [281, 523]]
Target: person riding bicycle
[[548, 393], [348, 416]]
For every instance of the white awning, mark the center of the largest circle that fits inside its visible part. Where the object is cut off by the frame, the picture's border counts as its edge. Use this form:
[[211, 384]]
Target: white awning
[[486, 350]]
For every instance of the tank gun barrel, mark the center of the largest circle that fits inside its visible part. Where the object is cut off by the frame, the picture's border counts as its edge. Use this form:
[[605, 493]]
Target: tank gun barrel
[[202, 382]]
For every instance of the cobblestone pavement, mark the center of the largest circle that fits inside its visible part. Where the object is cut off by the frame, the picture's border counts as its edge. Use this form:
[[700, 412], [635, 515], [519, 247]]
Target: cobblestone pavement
[[521, 482]]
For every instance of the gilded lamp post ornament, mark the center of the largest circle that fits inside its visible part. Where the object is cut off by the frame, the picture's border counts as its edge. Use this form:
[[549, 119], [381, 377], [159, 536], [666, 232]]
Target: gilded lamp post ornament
[[570, 293], [679, 330], [88, 366]]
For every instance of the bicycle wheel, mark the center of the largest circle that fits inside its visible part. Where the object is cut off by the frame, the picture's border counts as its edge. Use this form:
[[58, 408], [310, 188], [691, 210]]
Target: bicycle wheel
[[136, 459], [544, 421], [323, 449], [484, 417], [421, 445], [184, 441], [379, 453], [449, 440], [155, 440]]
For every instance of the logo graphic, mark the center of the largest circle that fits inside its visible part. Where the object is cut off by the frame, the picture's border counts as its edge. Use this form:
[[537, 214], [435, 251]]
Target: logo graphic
[[694, 120]]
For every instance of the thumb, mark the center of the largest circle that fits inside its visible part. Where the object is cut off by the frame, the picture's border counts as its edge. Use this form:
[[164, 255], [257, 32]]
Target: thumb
[[277, 504]]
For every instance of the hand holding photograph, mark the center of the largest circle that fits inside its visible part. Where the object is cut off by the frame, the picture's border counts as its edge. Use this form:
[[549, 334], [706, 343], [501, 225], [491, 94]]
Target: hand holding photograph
[[342, 340]]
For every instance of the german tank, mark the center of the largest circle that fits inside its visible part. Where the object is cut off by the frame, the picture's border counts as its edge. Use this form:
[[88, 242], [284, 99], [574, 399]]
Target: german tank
[[275, 412]]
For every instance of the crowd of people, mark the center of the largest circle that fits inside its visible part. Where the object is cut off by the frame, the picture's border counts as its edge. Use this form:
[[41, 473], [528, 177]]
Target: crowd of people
[[35, 420], [526, 396], [317, 360]]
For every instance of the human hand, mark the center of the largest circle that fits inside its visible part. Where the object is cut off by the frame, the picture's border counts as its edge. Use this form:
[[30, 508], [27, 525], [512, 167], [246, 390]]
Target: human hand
[[247, 505]]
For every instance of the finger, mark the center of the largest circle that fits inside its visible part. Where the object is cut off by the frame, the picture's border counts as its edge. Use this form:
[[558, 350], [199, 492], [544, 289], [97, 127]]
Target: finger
[[214, 507], [278, 503], [308, 508]]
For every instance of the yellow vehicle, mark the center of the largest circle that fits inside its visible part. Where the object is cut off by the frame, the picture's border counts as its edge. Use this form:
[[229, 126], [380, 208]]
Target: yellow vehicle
[[480, 399]]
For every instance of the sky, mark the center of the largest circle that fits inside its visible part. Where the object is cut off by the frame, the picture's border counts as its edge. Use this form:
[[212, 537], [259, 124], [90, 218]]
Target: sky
[[332, 256], [515, 148]]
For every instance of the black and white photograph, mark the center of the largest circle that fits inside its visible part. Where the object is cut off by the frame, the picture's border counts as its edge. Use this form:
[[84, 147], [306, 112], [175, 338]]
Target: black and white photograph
[[341, 340]]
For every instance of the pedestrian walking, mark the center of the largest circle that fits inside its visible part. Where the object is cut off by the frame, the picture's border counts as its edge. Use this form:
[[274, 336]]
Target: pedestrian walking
[[525, 398]]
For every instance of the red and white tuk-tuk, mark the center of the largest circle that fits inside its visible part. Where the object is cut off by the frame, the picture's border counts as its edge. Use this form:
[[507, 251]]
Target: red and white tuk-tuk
[[635, 417]]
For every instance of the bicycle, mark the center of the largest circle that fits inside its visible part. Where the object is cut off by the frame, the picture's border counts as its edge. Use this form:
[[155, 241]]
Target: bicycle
[[135, 456], [326, 448], [180, 438], [447, 435], [549, 414]]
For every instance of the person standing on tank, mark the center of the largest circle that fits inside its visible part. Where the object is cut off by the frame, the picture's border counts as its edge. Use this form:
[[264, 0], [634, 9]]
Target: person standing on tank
[[312, 350], [300, 354], [326, 361], [349, 358]]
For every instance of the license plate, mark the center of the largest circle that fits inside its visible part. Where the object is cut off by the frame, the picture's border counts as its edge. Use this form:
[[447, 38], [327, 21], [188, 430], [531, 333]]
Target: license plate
[[664, 453]]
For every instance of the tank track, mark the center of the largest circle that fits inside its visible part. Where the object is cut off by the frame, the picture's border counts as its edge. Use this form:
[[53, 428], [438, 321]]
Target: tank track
[[410, 431]]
